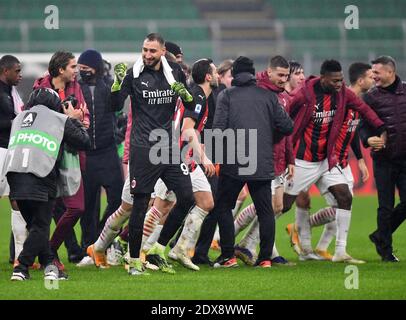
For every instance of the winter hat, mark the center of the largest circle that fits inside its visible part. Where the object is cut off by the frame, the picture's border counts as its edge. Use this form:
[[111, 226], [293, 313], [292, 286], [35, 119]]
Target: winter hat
[[243, 64], [91, 58], [173, 48]]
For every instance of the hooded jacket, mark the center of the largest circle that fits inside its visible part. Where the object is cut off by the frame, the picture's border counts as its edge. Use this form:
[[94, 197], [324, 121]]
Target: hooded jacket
[[72, 88], [246, 106], [301, 108], [283, 150]]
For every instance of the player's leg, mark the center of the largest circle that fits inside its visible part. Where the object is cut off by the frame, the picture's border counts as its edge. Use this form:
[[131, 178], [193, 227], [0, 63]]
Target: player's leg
[[176, 178], [336, 182], [204, 203], [302, 201]]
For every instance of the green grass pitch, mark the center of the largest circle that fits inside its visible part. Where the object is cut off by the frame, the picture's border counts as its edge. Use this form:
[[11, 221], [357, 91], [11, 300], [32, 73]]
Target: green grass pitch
[[307, 280]]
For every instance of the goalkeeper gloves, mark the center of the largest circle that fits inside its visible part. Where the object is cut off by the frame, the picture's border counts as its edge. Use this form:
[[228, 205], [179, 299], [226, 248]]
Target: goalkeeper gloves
[[181, 91], [120, 70]]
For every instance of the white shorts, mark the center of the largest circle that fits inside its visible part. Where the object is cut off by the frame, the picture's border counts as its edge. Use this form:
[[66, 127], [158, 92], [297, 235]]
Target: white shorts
[[331, 201], [4, 187], [161, 191], [309, 173], [199, 183], [278, 182], [126, 195]]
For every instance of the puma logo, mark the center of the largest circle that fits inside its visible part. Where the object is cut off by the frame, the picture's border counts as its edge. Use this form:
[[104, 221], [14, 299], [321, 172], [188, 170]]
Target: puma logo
[[319, 106], [201, 97], [145, 83]]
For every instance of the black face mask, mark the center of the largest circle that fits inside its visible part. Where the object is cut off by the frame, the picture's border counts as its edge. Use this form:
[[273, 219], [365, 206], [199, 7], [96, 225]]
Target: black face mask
[[87, 76]]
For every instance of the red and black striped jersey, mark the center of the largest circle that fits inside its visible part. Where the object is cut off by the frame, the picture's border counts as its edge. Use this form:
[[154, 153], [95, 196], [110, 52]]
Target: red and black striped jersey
[[199, 114], [347, 132], [312, 146]]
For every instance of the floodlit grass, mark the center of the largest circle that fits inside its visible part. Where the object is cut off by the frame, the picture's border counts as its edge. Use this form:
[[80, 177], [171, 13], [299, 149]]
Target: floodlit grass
[[307, 280]]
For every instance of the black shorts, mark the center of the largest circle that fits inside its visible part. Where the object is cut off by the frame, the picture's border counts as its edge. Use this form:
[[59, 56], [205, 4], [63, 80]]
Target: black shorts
[[144, 174]]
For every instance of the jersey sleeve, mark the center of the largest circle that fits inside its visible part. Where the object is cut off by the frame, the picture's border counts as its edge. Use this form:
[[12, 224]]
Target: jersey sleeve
[[197, 108]]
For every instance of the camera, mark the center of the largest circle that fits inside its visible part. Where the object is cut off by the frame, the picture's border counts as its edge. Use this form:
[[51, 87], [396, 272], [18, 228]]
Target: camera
[[70, 99]]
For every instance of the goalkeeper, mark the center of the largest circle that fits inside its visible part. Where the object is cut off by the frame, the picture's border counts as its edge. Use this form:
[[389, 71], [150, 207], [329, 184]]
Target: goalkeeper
[[153, 85]]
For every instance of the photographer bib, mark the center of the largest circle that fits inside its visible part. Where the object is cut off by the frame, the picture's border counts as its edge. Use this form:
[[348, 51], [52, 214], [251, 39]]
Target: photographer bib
[[35, 140]]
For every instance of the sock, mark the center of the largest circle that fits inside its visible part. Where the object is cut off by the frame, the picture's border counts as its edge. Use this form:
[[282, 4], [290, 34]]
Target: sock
[[330, 230], [251, 238], [244, 218], [322, 217], [303, 228], [111, 229], [152, 218], [275, 252], [20, 232], [153, 238], [237, 207], [191, 229], [343, 218]]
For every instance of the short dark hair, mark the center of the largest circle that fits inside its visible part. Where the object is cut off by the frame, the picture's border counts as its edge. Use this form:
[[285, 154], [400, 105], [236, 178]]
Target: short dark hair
[[329, 66], [7, 62], [278, 61], [200, 69], [155, 37], [357, 70], [60, 59], [294, 66], [385, 60]]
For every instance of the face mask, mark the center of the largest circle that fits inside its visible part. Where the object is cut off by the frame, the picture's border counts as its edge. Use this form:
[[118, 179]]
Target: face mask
[[87, 76]]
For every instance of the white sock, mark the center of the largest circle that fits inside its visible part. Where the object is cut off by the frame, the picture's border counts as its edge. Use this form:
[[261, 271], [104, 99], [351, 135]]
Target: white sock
[[343, 218], [151, 220], [20, 232], [111, 229], [330, 230], [322, 217], [237, 207], [303, 228], [244, 218], [251, 238], [275, 252], [153, 238], [191, 229]]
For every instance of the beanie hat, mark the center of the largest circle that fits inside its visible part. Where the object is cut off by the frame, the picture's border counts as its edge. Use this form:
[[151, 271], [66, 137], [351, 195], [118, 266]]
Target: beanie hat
[[173, 48], [91, 58], [243, 64]]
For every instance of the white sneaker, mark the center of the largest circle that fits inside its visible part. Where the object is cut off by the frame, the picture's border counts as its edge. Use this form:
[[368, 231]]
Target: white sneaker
[[86, 261], [184, 259], [172, 255], [114, 256], [346, 258], [306, 256]]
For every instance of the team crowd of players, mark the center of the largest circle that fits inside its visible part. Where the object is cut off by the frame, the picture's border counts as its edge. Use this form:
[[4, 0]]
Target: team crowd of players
[[191, 200]]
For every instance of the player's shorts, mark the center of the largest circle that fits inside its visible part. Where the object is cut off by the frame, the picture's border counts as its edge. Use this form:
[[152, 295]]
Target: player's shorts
[[199, 183], [126, 193], [329, 196], [278, 182], [309, 173], [162, 192], [144, 174], [4, 187]]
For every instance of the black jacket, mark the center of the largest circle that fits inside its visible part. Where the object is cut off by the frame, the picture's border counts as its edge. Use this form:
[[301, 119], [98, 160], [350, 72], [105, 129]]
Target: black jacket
[[245, 106], [26, 186], [102, 118], [153, 104], [6, 113], [390, 106]]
